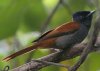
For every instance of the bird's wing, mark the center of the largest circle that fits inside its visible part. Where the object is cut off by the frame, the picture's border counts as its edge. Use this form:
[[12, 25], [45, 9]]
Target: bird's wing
[[64, 29], [43, 35]]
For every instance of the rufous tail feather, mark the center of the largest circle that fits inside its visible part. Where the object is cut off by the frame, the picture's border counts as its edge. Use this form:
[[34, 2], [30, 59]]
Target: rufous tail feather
[[30, 48]]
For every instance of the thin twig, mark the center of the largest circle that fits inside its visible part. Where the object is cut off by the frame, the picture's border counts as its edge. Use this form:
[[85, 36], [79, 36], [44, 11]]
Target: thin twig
[[46, 23], [6, 68], [52, 63], [67, 7]]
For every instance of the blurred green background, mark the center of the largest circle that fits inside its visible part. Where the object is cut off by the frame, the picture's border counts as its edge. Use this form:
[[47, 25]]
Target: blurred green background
[[21, 22]]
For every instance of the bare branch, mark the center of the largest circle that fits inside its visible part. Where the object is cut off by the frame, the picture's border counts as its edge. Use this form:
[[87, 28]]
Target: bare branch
[[46, 23], [52, 63], [73, 52], [67, 7]]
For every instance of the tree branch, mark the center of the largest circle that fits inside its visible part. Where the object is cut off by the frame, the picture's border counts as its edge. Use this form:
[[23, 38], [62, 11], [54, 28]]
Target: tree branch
[[52, 63], [73, 52], [46, 23]]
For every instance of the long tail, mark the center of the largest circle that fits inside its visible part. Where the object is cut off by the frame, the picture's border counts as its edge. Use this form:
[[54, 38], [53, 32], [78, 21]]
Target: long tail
[[30, 48], [47, 43]]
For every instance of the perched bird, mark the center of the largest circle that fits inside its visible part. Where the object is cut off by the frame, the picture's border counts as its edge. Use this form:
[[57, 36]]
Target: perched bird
[[63, 36]]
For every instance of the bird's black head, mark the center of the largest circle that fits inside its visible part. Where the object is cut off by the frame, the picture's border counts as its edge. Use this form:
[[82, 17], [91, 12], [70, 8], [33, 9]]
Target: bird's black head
[[84, 17]]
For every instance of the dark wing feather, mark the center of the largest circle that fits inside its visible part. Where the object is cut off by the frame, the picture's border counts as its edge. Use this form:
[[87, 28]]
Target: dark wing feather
[[64, 29], [43, 35]]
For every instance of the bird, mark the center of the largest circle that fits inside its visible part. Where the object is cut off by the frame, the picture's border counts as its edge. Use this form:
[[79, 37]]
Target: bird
[[62, 37]]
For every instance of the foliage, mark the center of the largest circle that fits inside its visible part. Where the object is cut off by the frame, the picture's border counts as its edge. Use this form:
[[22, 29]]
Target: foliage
[[21, 17]]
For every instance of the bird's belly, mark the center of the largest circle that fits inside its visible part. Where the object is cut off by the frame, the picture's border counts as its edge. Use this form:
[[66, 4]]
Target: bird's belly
[[64, 41], [70, 40]]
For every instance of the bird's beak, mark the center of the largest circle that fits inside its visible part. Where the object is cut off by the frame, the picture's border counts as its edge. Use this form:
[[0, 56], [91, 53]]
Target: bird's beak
[[91, 13]]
